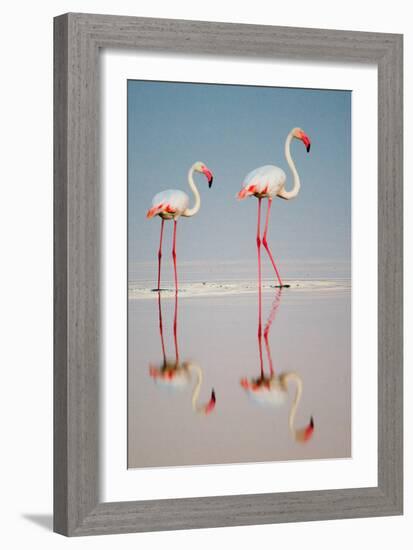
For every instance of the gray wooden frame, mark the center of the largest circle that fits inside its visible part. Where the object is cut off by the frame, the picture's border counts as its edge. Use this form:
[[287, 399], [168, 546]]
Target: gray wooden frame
[[78, 39]]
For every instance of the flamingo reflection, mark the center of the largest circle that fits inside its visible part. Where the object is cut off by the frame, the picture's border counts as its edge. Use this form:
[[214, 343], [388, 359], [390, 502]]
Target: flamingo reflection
[[272, 390], [176, 374]]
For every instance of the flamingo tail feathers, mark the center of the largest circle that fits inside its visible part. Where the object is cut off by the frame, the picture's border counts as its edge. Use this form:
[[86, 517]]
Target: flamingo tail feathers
[[154, 211], [246, 192]]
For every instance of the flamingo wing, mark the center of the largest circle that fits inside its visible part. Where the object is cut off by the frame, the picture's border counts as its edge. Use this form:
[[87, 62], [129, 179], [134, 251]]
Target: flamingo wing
[[268, 397], [172, 201], [266, 180]]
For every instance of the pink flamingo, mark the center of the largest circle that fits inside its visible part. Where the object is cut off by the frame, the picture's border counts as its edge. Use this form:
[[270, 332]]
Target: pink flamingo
[[272, 390], [176, 374], [269, 182], [171, 205]]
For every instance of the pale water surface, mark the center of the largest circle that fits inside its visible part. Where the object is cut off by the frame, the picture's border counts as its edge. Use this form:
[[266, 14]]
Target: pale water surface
[[216, 328]]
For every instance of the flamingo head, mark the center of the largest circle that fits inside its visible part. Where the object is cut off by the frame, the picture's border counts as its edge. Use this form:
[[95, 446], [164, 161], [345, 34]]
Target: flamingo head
[[301, 135], [210, 406], [305, 434], [203, 169]]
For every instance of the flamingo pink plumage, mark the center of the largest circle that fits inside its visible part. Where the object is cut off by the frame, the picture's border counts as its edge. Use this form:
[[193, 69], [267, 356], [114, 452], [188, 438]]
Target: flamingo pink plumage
[[171, 205], [269, 182]]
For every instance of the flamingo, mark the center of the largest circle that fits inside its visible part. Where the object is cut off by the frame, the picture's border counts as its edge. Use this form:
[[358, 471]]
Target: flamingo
[[171, 205], [269, 182], [272, 390], [176, 374]]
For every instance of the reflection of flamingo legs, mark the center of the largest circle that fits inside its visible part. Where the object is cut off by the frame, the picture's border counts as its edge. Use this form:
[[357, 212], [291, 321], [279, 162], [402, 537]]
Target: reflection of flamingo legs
[[267, 327], [161, 328], [176, 328], [271, 317], [272, 390], [176, 374]]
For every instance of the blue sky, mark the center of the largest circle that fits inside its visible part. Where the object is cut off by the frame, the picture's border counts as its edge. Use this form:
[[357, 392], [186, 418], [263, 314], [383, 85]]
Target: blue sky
[[234, 129]]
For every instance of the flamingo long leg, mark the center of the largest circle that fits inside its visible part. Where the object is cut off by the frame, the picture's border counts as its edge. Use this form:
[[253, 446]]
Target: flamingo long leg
[[259, 288], [176, 328], [259, 244], [160, 255], [174, 256], [267, 328], [260, 332], [161, 327], [265, 243]]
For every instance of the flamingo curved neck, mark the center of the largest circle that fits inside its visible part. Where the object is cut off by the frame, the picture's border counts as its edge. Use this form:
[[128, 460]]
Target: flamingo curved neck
[[296, 179], [299, 390], [197, 204], [197, 388]]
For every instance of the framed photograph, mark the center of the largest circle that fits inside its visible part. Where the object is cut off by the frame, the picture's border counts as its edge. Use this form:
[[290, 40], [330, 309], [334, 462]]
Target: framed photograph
[[228, 274]]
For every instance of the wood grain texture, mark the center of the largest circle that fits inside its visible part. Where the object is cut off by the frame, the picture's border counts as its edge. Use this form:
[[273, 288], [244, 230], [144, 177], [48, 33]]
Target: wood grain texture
[[390, 273], [60, 485], [78, 39]]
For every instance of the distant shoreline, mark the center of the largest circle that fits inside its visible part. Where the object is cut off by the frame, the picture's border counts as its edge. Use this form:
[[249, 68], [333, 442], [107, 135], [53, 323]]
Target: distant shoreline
[[142, 290]]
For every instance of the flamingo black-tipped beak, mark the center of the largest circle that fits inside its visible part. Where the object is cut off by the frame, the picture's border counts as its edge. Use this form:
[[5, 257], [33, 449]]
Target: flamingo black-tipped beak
[[309, 430], [209, 176], [211, 403], [306, 140], [305, 434]]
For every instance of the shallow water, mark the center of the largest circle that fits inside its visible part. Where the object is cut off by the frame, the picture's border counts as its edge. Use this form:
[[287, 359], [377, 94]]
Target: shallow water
[[308, 333], [140, 291]]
